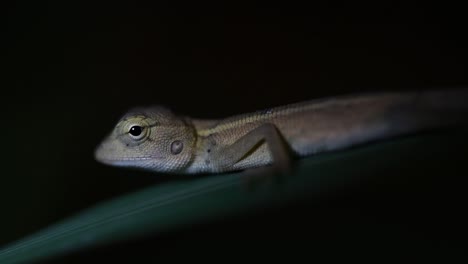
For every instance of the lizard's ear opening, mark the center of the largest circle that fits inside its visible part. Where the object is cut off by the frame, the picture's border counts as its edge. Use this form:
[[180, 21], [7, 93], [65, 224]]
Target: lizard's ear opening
[[177, 147]]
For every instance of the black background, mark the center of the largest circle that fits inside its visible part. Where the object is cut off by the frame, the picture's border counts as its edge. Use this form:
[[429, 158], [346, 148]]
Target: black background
[[73, 68]]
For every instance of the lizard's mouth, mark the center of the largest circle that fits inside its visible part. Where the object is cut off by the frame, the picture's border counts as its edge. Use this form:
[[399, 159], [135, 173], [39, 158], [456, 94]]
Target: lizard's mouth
[[105, 156], [127, 161], [116, 159]]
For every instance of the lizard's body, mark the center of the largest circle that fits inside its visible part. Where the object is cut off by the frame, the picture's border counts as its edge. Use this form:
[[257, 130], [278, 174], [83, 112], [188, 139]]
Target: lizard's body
[[305, 126], [185, 145]]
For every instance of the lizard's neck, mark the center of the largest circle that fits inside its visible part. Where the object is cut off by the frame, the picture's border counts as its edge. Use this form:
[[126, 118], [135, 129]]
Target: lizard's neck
[[203, 147]]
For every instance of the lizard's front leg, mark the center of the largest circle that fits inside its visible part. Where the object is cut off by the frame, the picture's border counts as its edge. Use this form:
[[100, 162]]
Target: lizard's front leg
[[226, 157]]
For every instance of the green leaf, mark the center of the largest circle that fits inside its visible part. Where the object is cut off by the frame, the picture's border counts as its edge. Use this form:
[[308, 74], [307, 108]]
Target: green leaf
[[173, 205]]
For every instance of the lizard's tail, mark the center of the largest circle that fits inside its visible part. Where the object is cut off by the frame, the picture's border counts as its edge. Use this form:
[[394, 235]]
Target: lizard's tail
[[446, 100], [432, 109]]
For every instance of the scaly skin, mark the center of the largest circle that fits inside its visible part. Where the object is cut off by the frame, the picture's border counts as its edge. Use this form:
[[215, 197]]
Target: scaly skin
[[164, 142]]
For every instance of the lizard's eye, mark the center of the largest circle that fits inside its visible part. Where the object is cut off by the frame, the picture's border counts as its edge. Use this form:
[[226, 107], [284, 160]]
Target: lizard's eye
[[136, 132]]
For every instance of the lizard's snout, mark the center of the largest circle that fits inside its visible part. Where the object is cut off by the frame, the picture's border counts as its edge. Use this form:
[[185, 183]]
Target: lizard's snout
[[103, 153], [98, 153]]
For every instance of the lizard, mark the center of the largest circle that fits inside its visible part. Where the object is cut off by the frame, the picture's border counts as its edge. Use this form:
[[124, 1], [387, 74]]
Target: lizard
[[155, 138]]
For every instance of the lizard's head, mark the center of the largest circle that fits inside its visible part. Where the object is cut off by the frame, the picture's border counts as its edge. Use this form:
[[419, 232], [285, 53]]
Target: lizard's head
[[150, 138]]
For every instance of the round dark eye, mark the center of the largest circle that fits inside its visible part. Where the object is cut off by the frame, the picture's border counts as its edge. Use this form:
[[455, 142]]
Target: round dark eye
[[135, 131]]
